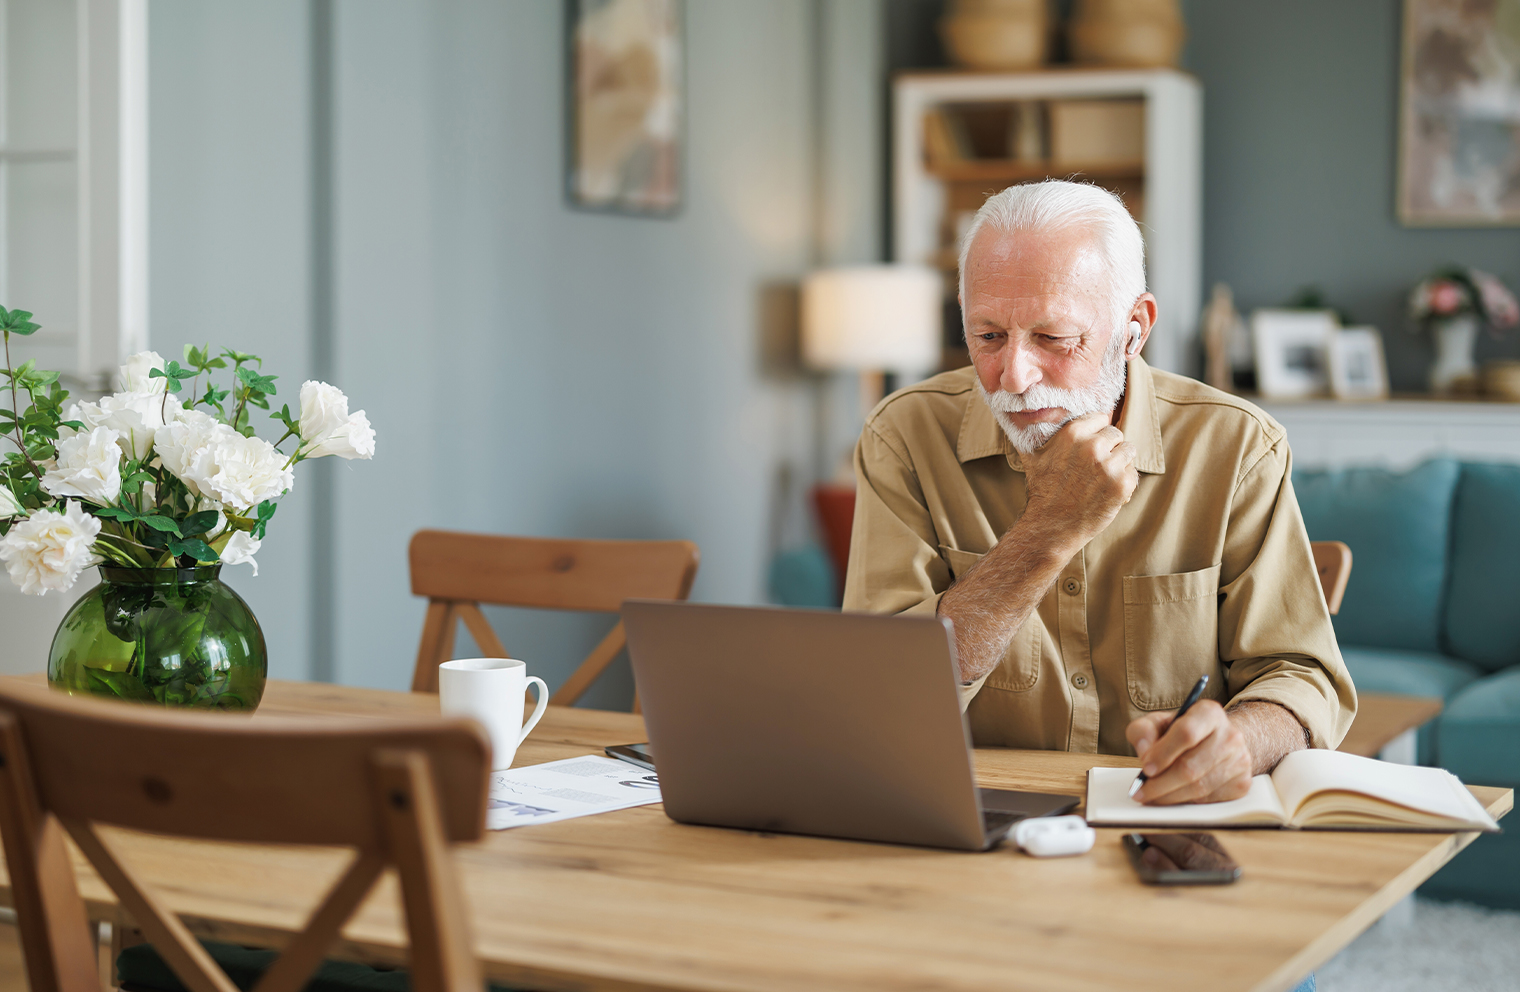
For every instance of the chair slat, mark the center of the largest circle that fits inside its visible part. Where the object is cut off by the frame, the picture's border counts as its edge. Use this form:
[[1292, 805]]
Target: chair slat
[[485, 637], [399, 791], [173, 941], [442, 957], [457, 571], [1332, 560], [56, 938], [596, 662], [548, 573], [301, 957]]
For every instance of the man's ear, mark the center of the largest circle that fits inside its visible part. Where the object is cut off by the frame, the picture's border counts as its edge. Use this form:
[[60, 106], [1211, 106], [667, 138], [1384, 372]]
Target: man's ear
[[1142, 313]]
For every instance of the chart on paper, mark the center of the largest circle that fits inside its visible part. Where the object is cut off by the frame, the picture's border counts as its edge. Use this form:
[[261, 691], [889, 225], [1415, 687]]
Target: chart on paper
[[571, 787]]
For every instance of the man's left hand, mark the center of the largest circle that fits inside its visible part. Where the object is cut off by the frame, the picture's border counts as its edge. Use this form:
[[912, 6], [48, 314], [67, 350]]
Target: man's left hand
[[1202, 758]]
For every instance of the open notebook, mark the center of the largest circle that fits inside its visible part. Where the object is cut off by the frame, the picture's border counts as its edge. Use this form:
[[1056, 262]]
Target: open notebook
[[1310, 790]]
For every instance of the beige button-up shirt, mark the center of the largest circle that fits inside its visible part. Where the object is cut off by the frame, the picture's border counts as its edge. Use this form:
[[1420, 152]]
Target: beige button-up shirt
[[1206, 569]]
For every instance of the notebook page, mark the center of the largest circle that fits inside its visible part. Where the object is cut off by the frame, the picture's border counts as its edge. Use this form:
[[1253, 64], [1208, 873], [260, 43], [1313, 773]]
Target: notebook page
[[1433, 790], [1108, 801]]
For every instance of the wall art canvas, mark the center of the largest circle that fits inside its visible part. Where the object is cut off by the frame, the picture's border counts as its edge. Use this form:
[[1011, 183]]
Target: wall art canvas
[[625, 98], [1459, 128]]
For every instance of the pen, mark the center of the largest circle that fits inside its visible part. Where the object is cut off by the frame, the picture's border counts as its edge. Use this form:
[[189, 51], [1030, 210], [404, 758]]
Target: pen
[[1187, 704]]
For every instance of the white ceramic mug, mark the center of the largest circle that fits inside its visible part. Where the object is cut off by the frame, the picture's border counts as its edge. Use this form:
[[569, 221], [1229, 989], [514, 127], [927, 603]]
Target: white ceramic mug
[[491, 690]]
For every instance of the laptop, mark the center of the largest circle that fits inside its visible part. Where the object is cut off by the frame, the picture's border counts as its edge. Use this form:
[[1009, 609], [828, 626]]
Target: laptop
[[812, 722]]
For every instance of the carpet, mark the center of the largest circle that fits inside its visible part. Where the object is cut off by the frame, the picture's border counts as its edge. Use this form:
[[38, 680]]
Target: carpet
[[1440, 947]]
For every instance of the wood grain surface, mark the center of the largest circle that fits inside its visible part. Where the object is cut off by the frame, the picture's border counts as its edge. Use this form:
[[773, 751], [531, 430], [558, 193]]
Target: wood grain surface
[[1381, 717], [631, 900]]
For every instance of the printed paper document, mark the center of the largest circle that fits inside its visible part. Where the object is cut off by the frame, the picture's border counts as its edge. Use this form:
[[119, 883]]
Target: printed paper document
[[559, 790]]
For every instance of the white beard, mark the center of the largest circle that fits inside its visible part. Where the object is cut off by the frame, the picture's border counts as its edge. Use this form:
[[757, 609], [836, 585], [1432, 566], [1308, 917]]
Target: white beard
[[1101, 397]]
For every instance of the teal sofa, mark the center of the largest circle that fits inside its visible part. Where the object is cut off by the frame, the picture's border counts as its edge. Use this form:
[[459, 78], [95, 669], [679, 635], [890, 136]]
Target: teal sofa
[[1433, 609]]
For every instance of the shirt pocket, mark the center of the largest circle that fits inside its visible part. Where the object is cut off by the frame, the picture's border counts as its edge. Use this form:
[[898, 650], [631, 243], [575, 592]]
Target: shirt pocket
[[1020, 667], [1171, 636]]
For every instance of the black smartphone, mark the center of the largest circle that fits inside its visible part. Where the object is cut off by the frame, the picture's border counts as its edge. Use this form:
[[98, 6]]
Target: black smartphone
[[1180, 859], [636, 754]]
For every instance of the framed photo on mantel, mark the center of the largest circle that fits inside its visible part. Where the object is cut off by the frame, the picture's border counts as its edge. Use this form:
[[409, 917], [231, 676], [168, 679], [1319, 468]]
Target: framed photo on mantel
[[1459, 115], [625, 99]]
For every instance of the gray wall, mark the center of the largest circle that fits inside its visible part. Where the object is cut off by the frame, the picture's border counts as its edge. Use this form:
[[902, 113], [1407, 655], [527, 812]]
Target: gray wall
[[529, 368], [1300, 129], [1300, 144], [228, 238]]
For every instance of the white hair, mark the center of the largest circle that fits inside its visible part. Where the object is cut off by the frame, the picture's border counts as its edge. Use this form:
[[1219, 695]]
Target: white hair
[[1055, 205]]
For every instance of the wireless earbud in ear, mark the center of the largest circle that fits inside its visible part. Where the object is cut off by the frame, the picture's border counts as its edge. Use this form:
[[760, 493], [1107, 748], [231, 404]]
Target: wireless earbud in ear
[[1134, 338]]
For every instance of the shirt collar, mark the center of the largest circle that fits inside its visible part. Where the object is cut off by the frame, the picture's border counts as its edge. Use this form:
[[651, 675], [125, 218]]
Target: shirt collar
[[1140, 422]]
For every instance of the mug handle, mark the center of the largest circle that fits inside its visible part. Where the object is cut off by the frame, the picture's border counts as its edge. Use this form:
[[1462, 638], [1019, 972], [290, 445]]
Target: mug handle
[[538, 711]]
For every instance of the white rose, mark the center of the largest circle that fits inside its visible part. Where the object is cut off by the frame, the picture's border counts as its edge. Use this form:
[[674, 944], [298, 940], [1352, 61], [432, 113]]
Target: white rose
[[187, 447], [49, 549], [135, 416], [327, 428], [249, 470], [134, 374], [9, 506], [240, 549], [88, 466]]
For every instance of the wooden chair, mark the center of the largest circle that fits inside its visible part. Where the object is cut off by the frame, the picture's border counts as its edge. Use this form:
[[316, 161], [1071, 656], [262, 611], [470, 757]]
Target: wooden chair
[[458, 571], [398, 791], [1332, 560]]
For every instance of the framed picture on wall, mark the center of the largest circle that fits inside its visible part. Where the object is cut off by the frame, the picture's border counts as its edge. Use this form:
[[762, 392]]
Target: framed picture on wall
[[1459, 130], [624, 93]]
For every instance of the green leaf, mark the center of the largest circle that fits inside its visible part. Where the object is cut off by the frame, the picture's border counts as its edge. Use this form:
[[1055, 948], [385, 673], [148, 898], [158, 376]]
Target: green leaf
[[197, 549], [198, 523], [162, 524], [240, 357], [114, 513], [255, 382], [265, 514], [17, 322]]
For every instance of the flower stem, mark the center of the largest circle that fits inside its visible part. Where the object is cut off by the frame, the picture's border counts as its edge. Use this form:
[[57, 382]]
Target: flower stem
[[20, 439]]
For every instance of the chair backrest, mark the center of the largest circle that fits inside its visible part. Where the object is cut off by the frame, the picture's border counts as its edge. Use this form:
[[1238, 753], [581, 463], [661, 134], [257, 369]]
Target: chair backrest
[[458, 571], [399, 791], [1332, 560]]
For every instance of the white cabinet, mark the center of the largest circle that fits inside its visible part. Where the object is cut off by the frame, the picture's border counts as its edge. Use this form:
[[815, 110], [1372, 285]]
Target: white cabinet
[[1162, 181], [73, 181], [73, 220], [1399, 433]]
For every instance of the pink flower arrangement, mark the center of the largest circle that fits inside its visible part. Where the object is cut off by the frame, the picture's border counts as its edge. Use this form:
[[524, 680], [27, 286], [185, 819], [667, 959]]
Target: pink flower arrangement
[[1455, 291]]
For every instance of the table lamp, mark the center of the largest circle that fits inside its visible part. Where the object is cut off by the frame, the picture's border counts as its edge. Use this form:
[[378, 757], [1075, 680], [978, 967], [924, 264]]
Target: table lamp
[[872, 319]]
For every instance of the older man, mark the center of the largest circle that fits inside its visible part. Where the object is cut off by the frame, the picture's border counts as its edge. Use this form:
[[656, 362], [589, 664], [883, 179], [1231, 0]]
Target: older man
[[1101, 533]]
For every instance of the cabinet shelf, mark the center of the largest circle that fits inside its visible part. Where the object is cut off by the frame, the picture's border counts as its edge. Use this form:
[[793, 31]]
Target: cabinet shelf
[[1015, 170]]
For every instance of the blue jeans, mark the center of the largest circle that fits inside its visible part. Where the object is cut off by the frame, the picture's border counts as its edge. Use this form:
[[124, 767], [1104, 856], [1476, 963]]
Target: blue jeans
[[1307, 985]]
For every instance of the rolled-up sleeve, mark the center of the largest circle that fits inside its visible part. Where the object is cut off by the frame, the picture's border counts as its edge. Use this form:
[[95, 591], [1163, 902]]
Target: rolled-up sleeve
[[1276, 641], [895, 565]]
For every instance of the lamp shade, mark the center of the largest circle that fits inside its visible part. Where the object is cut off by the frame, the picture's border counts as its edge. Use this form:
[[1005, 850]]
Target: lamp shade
[[872, 318]]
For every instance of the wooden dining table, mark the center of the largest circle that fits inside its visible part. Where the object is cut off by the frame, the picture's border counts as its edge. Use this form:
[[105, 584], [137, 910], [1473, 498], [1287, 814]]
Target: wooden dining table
[[631, 900]]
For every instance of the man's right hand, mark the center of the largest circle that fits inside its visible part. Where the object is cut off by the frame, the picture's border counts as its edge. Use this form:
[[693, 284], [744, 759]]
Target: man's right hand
[[1081, 477]]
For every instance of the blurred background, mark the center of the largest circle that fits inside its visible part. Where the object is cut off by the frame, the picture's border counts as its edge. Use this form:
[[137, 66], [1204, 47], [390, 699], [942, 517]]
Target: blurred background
[[385, 195]]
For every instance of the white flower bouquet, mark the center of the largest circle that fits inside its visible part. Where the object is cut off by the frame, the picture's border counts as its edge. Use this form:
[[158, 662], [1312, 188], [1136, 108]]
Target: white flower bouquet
[[156, 475]]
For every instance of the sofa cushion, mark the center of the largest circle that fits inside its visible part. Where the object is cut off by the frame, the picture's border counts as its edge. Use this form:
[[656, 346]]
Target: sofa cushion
[[1410, 673], [1407, 673], [1479, 734], [1483, 597], [1398, 527]]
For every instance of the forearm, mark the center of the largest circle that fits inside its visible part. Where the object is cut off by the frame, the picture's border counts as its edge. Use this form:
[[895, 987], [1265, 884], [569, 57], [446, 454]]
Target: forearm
[[1271, 733], [991, 602]]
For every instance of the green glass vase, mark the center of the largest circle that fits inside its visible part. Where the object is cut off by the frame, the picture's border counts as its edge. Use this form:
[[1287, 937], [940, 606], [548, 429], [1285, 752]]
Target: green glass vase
[[173, 636]]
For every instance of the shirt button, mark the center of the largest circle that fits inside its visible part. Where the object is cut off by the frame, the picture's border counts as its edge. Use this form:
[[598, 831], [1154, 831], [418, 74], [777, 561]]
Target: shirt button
[[1079, 680], [1072, 586]]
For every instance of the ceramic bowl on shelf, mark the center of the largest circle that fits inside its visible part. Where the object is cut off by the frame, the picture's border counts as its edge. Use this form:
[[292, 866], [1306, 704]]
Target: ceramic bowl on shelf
[[1501, 380], [997, 34]]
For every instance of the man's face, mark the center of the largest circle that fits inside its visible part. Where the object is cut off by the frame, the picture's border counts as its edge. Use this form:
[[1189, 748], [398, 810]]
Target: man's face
[[1045, 337]]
